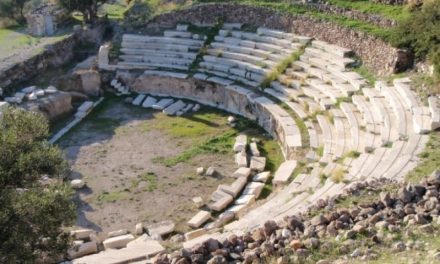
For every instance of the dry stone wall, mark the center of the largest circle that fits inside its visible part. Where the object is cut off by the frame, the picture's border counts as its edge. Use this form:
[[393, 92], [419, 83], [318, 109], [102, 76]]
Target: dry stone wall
[[377, 55], [55, 55]]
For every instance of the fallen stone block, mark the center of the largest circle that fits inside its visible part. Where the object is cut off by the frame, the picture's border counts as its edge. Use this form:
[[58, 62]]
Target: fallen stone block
[[261, 177], [235, 188], [199, 219], [77, 184], [245, 199], [117, 242], [174, 108], [162, 104], [242, 172], [254, 188], [198, 201], [119, 232], [83, 249], [237, 209], [258, 163], [240, 143], [254, 149], [139, 229], [82, 234], [241, 159], [221, 203], [193, 234], [139, 249], [210, 172], [284, 172], [162, 228]]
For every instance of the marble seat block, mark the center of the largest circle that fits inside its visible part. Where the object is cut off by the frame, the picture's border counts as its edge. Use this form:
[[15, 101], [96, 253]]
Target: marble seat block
[[284, 172], [258, 163], [199, 219], [242, 172]]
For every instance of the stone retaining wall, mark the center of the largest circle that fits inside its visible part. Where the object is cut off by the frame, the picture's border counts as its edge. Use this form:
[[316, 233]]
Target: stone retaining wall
[[54, 55], [377, 55], [237, 101]]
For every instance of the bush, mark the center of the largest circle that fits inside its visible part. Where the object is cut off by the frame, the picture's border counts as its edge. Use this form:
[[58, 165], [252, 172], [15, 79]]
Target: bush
[[421, 33], [32, 215]]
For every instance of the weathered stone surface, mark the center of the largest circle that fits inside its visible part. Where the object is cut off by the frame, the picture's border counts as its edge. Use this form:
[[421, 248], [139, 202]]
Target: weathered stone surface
[[139, 249], [258, 163], [240, 143], [82, 234], [198, 201], [261, 177], [162, 228], [77, 184], [284, 172], [83, 249], [199, 219], [118, 241]]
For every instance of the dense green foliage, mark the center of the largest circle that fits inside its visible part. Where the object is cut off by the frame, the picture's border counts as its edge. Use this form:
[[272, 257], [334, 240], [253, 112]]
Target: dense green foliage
[[421, 33], [31, 213], [13, 9], [88, 8]]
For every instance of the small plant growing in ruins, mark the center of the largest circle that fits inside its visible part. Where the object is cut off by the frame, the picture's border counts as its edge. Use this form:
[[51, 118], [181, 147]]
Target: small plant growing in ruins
[[322, 178], [338, 175]]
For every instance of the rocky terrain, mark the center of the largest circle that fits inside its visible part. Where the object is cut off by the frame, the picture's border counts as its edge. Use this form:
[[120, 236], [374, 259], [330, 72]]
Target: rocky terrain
[[385, 218]]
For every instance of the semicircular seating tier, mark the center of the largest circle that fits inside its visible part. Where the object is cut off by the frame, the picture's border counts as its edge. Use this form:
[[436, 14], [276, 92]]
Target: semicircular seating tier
[[352, 131]]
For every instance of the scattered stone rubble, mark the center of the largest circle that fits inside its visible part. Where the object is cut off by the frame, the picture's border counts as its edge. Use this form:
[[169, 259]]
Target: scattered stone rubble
[[415, 206]]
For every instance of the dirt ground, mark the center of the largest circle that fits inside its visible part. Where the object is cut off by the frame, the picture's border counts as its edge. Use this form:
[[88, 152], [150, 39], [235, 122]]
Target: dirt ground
[[116, 151]]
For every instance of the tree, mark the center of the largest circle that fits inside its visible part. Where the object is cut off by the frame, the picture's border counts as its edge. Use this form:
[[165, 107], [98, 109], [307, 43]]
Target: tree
[[421, 33], [88, 8], [32, 213], [13, 9]]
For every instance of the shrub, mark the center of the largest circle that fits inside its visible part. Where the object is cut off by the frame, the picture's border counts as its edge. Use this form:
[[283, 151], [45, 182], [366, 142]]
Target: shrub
[[421, 33]]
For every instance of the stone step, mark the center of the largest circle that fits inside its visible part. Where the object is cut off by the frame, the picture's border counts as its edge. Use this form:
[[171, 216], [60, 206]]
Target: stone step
[[138, 100], [149, 102], [166, 74], [284, 172], [162, 104], [174, 108]]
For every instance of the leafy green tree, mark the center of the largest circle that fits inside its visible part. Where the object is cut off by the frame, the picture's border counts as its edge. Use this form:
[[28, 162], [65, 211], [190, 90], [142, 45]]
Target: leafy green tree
[[13, 9], [88, 8], [421, 33], [32, 212]]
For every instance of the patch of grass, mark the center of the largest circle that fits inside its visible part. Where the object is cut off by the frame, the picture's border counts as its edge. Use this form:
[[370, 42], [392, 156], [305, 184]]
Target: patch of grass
[[395, 12], [281, 67], [274, 156], [198, 126], [320, 151], [114, 11], [300, 9], [338, 175], [114, 196], [366, 73], [218, 144], [429, 160]]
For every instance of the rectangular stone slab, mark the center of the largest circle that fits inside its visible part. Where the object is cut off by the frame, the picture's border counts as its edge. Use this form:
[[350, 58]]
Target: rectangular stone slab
[[117, 242], [161, 228], [139, 249], [149, 102], [245, 199], [240, 143], [199, 219], [235, 188], [254, 188], [242, 172], [258, 163], [174, 108], [162, 103], [222, 203], [284, 172], [254, 149], [241, 160], [261, 177]]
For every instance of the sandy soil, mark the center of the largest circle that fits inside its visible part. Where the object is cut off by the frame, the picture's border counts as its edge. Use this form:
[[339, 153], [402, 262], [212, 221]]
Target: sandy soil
[[125, 184]]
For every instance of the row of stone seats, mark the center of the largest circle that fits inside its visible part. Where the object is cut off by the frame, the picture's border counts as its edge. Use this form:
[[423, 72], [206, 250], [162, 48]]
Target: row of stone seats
[[166, 105], [176, 49], [248, 57]]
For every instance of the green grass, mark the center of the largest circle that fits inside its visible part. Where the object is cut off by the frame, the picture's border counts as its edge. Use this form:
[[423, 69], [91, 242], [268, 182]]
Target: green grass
[[15, 38], [114, 11], [281, 67], [298, 9], [429, 160], [367, 74], [395, 12], [219, 144], [114, 196]]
